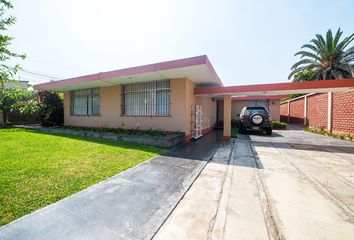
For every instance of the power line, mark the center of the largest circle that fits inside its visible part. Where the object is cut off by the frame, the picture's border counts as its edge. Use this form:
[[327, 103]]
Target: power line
[[35, 76], [39, 74]]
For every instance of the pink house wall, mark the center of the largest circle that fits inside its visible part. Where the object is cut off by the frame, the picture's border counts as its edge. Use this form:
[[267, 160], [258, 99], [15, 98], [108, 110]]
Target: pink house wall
[[182, 97]]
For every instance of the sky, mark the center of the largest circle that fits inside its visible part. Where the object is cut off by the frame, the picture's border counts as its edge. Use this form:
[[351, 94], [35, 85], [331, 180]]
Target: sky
[[248, 42]]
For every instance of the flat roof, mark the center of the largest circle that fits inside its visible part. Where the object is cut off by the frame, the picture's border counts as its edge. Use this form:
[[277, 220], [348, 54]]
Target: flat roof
[[198, 69], [264, 90]]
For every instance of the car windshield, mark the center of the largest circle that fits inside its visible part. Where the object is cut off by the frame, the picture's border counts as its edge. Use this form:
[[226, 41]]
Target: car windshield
[[251, 111]]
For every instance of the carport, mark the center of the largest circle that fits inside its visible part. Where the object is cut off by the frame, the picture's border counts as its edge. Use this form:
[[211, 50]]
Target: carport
[[257, 90]]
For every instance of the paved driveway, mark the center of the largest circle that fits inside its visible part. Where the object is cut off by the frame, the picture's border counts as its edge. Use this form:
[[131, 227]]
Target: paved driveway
[[292, 185], [130, 205]]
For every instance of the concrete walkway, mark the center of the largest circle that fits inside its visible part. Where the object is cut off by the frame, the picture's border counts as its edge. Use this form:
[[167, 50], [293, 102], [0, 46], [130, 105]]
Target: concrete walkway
[[130, 205], [292, 185]]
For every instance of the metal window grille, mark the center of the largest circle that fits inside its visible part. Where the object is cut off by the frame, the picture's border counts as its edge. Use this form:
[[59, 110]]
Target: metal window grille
[[85, 102], [146, 99]]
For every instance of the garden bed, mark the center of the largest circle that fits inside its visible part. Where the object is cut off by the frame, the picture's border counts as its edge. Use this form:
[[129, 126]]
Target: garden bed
[[148, 137], [324, 132]]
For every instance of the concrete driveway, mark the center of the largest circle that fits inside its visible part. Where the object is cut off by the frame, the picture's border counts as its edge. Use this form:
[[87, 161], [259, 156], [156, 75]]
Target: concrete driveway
[[292, 185]]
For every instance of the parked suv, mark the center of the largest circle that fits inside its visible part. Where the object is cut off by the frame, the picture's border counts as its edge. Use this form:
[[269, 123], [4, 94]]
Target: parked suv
[[255, 119]]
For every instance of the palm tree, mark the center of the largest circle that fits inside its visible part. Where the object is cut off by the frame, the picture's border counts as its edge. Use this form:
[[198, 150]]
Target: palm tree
[[327, 58]]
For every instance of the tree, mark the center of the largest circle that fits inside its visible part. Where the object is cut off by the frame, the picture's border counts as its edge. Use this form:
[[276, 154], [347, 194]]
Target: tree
[[303, 76], [22, 100], [7, 73], [327, 58], [51, 108]]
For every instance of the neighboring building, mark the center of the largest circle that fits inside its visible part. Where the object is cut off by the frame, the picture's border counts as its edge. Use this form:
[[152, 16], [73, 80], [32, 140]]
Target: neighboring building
[[17, 84], [330, 111], [13, 84]]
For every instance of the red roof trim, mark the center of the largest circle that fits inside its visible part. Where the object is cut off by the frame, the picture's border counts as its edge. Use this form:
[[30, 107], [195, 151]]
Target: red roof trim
[[319, 84], [180, 63], [213, 72], [282, 96]]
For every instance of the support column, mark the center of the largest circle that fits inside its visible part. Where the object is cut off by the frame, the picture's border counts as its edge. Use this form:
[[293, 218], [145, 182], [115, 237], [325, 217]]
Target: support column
[[305, 111], [227, 117], [329, 111]]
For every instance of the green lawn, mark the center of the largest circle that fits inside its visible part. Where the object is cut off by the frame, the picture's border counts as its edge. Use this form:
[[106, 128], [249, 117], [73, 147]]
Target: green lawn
[[37, 169]]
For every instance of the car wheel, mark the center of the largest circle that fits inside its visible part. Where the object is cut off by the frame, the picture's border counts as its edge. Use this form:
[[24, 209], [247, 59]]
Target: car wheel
[[269, 131]]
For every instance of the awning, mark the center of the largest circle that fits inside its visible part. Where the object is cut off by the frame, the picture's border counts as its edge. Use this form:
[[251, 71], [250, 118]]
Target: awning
[[317, 86]]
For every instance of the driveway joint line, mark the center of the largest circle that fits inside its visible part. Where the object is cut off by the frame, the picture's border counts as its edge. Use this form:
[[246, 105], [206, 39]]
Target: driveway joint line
[[321, 189], [211, 152], [270, 216], [212, 220]]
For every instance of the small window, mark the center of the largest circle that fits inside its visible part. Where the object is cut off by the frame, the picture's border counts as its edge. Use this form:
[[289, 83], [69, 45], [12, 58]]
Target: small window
[[258, 103], [146, 99], [85, 102]]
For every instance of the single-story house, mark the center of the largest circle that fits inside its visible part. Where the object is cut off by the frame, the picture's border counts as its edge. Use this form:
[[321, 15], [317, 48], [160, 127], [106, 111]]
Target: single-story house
[[184, 95]]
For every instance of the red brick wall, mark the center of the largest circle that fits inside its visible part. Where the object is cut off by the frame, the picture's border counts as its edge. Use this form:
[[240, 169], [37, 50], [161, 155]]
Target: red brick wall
[[343, 112], [284, 112], [317, 114], [317, 111], [297, 111]]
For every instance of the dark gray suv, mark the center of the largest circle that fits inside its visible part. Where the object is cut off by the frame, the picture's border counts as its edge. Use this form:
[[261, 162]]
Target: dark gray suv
[[255, 119]]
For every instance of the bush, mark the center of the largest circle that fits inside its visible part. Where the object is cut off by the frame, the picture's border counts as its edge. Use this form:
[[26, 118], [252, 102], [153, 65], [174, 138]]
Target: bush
[[279, 125], [51, 108], [324, 132], [234, 132], [235, 123], [122, 131]]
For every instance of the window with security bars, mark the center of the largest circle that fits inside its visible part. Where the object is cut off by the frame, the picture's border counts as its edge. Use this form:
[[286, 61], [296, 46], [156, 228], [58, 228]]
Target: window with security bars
[[146, 99], [85, 102]]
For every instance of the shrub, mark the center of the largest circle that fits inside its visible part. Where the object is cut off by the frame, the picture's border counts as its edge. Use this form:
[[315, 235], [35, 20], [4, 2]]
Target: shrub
[[279, 125], [324, 132], [235, 123], [122, 131], [234, 132], [51, 108]]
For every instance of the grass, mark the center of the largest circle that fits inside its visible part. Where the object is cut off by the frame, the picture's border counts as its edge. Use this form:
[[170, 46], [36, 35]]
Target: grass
[[37, 169], [324, 132], [234, 132]]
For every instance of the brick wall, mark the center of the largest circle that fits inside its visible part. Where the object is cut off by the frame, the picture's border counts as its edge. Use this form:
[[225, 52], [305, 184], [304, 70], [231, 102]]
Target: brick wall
[[343, 112], [297, 111], [284, 112], [317, 111]]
